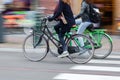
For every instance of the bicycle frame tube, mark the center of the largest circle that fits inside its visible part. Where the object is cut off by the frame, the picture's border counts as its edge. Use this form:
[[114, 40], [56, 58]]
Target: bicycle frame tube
[[78, 42], [94, 39], [90, 33], [108, 37], [47, 32], [101, 31]]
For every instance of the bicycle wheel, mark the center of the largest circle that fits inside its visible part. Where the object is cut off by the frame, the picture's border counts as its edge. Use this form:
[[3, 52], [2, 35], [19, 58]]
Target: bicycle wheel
[[35, 48], [104, 45], [78, 53]]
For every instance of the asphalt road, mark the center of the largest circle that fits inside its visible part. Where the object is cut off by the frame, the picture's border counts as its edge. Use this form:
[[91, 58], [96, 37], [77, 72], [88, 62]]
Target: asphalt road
[[14, 66]]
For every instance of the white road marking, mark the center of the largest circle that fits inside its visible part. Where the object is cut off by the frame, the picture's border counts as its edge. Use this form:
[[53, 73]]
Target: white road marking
[[96, 68], [104, 61], [114, 56], [67, 76], [110, 60]]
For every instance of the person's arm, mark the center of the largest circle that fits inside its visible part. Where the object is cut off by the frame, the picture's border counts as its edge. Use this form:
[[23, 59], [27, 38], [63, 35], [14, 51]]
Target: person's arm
[[83, 8], [57, 12]]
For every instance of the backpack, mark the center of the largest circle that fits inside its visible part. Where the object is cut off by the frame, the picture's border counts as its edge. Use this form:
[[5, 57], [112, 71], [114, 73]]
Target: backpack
[[94, 14]]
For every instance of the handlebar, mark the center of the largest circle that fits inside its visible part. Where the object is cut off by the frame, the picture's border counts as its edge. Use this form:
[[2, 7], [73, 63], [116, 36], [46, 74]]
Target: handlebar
[[44, 21]]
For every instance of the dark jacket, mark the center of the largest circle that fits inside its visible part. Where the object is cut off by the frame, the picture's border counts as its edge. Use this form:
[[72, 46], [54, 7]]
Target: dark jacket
[[67, 12], [84, 12]]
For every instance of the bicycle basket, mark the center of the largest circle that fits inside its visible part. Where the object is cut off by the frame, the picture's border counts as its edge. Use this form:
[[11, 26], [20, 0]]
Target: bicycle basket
[[40, 22], [71, 49]]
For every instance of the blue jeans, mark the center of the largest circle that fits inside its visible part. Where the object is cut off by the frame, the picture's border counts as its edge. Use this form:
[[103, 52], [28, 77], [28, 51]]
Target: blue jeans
[[61, 29], [62, 41], [82, 25], [81, 29]]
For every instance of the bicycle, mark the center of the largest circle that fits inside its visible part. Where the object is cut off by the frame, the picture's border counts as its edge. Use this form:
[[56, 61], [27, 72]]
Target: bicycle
[[101, 40], [37, 49], [102, 43]]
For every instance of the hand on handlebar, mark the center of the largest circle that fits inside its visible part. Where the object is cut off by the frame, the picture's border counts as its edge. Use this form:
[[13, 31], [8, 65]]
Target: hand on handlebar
[[50, 18]]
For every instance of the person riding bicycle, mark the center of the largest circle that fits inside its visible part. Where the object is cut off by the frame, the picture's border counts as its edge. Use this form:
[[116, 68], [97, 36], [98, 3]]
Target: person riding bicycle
[[64, 12], [83, 19]]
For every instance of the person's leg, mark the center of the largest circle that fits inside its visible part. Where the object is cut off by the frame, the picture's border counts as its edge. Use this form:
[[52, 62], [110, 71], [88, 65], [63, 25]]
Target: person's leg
[[78, 21], [81, 29], [57, 28], [61, 35], [64, 47], [62, 41]]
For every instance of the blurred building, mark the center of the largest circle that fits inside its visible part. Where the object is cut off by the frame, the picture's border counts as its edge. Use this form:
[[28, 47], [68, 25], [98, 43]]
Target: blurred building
[[109, 10]]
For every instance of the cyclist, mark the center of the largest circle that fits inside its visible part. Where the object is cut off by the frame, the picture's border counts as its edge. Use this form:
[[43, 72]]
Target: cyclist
[[83, 19], [64, 13]]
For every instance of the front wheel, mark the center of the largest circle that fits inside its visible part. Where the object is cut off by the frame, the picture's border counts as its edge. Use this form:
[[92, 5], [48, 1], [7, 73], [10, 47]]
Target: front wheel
[[80, 48], [35, 47]]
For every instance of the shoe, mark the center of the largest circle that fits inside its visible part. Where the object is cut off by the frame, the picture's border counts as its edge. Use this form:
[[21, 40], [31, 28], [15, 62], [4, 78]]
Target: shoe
[[64, 54], [82, 50]]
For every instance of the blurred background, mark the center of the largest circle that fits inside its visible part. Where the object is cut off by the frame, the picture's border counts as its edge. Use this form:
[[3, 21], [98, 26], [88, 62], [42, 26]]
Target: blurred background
[[17, 14]]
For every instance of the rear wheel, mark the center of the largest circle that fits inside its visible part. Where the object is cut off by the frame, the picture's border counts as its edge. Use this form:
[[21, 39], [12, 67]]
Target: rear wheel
[[35, 48], [80, 54], [104, 46]]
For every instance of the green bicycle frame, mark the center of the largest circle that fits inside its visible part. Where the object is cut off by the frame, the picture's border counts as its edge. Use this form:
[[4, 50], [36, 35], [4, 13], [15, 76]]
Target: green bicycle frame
[[99, 36], [92, 32]]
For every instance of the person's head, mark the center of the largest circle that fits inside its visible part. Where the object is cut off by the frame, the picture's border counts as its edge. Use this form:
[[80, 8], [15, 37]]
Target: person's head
[[67, 1]]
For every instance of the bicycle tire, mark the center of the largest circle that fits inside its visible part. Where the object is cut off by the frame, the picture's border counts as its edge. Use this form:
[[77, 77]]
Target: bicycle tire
[[106, 47], [35, 50], [78, 57]]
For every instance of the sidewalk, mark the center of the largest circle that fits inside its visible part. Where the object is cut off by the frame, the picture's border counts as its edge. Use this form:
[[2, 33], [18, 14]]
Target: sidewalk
[[15, 42], [12, 42]]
